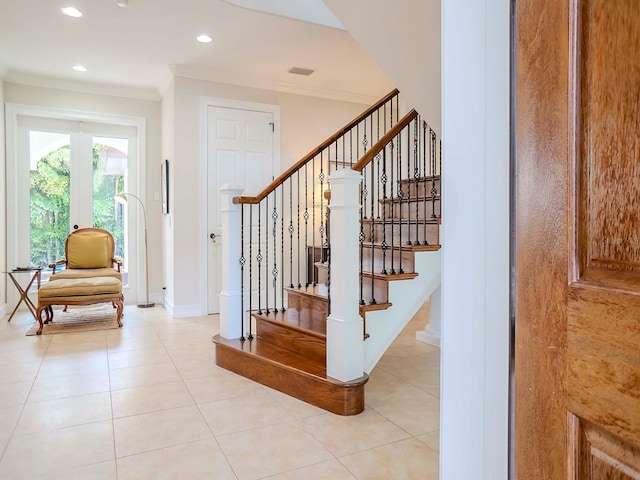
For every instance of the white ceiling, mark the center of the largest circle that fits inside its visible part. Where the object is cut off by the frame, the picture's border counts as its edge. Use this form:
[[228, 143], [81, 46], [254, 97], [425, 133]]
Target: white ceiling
[[138, 47]]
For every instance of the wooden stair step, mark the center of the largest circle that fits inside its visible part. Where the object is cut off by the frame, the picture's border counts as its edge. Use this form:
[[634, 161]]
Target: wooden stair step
[[290, 373]]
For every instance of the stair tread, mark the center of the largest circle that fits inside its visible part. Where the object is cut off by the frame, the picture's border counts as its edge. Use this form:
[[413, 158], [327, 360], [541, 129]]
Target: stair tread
[[402, 221], [391, 277], [311, 290], [313, 323], [274, 353], [375, 306], [412, 198], [405, 248]]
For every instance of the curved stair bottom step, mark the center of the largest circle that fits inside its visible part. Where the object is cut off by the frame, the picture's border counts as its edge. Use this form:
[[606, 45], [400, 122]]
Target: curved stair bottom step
[[289, 373]]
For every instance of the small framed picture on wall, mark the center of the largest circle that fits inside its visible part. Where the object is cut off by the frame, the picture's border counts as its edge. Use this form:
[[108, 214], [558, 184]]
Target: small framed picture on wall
[[165, 187]]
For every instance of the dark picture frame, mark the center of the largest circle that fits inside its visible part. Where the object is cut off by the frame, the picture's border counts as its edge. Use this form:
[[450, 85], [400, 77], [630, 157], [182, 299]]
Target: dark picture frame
[[165, 187]]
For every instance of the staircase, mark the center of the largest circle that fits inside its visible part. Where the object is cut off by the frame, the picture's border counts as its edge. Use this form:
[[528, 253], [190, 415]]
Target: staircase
[[283, 342]]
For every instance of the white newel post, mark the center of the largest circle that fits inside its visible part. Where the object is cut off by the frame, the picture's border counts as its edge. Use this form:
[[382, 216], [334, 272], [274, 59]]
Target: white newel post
[[345, 360], [231, 310], [431, 332]]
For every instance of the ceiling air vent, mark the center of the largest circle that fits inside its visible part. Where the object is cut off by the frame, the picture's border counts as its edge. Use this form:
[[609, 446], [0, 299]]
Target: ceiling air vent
[[301, 71]]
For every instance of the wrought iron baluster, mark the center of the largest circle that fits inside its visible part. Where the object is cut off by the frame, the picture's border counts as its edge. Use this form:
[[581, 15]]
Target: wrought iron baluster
[[361, 236], [313, 221], [416, 171], [282, 247], [409, 183], [291, 230], [306, 222], [401, 199], [250, 336], [266, 255], [440, 174], [321, 177], [383, 181], [259, 260], [372, 237], [298, 224], [241, 260], [274, 272]]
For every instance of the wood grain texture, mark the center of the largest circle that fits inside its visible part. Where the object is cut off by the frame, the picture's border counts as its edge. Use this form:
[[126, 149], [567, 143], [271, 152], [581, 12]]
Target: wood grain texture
[[290, 373], [604, 360], [610, 144], [598, 455], [541, 237]]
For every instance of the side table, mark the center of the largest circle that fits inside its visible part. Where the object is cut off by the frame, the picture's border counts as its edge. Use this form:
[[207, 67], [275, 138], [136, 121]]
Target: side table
[[24, 293]]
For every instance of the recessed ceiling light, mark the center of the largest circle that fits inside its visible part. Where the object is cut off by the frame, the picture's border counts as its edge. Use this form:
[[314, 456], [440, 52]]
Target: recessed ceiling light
[[71, 12], [204, 38], [122, 3], [80, 68]]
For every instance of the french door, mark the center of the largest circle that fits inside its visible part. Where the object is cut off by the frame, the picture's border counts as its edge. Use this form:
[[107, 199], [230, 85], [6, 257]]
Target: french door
[[67, 173]]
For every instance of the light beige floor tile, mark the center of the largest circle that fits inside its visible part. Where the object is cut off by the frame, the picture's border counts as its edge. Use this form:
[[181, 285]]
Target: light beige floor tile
[[431, 439], [98, 346], [8, 419], [49, 388], [97, 336], [201, 460], [243, 413], [19, 370], [76, 364], [415, 413], [97, 471], [296, 408], [220, 387], [150, 431], [132, 377], [49, 415], [28, 456], [125, 343], [382, 385], [331, 469], [198, 367], [266, 451], [14, 393], [150, 398], [405, 460], [346, 435], [137, 358]]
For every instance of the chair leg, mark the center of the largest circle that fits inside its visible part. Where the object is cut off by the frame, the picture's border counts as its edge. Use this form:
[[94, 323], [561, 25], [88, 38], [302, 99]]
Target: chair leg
[[39, 317]]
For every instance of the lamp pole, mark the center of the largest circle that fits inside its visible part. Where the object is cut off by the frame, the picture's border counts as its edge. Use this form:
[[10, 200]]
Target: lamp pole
[[122, 198]]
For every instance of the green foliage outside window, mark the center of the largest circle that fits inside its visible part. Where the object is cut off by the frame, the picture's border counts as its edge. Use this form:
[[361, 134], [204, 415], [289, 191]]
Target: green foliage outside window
[[50, 205]]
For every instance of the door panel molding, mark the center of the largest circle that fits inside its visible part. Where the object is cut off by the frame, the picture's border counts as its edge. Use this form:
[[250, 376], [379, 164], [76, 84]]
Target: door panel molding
[[205, 103]]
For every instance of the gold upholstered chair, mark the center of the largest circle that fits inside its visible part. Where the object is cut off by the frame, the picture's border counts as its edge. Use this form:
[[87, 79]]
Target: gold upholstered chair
[[90, 275]]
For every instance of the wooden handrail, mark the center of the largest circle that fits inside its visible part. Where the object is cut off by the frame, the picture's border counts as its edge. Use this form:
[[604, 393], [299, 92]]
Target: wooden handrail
[[384, 141], [316, 151]]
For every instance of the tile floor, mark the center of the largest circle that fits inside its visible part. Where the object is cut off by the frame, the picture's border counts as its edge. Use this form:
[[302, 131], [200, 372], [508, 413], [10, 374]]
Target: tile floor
[[148, 402]]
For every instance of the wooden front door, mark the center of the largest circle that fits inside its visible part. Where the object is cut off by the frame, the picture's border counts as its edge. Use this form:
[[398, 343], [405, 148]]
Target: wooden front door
[[577, 245]]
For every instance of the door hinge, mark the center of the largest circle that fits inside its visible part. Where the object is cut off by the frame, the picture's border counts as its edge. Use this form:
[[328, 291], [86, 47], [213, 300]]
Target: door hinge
[[273, 126]]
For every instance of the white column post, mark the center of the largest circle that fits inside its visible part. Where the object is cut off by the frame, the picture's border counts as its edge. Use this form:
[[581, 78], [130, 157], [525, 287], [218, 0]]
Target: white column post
[[431, 332], [345, 347], [231, 310]]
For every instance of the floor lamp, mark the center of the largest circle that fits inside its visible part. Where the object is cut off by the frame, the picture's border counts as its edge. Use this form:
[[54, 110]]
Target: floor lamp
[[122, 198]]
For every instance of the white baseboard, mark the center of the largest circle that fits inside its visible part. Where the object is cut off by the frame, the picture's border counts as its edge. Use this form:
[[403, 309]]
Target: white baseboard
[[182, 311], [423, 336]]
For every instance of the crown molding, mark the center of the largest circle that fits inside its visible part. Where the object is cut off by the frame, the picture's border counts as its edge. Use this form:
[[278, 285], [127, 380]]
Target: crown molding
[[126, 91]]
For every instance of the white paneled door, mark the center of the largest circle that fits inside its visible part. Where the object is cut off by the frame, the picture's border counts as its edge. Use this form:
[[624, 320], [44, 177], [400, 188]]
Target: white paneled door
[[240, 151]]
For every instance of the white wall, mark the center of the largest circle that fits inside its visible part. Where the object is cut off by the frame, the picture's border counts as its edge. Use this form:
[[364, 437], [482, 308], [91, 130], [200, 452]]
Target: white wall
[[305, 122], [112, 105], [403, 38], [475, 212], [3, 209]]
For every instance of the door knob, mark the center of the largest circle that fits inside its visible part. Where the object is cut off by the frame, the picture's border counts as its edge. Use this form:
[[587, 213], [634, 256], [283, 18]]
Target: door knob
[[213, 237]]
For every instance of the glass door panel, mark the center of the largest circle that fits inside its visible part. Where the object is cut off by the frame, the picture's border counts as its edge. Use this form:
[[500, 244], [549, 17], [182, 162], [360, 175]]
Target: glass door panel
[[110, 159], [49, 195]]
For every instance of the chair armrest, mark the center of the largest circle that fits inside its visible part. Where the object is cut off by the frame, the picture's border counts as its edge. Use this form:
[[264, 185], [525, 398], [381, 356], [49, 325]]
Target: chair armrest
[[117, 262], [53, 266]]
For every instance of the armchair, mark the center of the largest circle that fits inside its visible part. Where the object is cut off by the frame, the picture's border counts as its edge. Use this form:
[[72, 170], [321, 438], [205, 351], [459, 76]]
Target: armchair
[[92, 275]]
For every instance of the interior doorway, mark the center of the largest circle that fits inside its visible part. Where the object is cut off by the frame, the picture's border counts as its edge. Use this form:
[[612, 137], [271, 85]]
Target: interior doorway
[[242, 145]]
